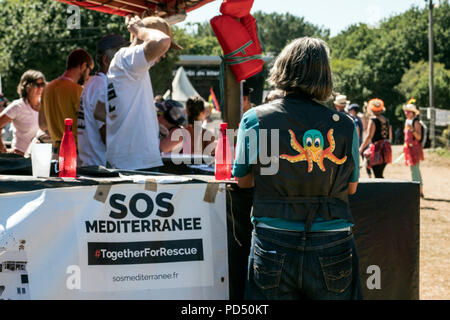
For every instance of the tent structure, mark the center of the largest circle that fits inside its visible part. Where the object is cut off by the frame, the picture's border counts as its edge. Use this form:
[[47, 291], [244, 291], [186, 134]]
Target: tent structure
[[182, 88], [162, 8]]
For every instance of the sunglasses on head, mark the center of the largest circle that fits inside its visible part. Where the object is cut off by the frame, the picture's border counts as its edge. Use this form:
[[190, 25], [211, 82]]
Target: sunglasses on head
[[38, 84]]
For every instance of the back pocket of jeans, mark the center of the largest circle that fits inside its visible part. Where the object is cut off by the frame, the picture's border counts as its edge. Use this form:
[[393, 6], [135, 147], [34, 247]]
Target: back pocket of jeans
[[267, 266], [337, 271]]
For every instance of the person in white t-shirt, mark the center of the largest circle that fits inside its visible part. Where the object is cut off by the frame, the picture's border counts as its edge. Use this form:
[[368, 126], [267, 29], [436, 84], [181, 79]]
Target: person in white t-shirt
[[131, 126], [91, 113], [24, 112]]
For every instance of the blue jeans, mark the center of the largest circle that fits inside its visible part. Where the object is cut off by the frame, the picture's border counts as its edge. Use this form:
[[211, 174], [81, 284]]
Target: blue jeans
[[290, 265]]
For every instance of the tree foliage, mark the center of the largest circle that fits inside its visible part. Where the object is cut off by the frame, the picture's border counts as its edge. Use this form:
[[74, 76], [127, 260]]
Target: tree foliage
[[385, 61], [276, 30], [349, 77], [350, 42], [370, 62], [34, 35], [415, 84], [199, 39]]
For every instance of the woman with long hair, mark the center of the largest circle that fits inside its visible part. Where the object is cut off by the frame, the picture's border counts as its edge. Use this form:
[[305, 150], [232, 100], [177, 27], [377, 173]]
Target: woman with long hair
[[379, 152], [24, 112], [197, 113]]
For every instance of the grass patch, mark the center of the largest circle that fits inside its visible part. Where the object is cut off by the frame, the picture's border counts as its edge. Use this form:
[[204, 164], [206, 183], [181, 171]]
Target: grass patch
[[442, 152]]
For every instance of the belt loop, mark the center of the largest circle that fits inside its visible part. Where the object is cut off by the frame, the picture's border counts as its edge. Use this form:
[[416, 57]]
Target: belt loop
[[310, 217], [308, 222]]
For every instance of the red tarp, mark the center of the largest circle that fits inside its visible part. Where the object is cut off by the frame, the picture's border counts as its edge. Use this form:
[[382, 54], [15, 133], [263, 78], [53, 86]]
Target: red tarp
[[161, 8]]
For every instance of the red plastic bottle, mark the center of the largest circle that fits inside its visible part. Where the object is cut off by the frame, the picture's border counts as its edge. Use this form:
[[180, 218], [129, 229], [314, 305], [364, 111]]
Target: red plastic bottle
[[223, 155], [68, 152]]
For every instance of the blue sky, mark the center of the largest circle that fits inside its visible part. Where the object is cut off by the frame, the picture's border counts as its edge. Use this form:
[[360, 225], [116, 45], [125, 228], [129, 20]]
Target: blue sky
[[335, 15]]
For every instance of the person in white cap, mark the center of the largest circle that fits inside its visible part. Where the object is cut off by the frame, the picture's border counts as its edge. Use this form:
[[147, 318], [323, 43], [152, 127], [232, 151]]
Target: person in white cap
[[412, 147], [340, 102], [131, 126]]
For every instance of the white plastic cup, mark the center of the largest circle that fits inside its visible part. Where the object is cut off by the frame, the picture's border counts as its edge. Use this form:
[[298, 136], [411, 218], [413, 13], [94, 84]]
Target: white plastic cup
[[41, 157]]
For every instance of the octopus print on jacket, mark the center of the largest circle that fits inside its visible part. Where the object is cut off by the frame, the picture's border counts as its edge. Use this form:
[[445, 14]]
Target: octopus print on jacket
[[312, 150]]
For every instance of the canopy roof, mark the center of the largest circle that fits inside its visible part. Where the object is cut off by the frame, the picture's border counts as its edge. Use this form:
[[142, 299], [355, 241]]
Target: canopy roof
[[162, 8]]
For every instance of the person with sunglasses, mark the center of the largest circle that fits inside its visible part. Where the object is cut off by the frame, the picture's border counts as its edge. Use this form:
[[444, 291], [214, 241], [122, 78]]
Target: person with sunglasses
[[24, 112]]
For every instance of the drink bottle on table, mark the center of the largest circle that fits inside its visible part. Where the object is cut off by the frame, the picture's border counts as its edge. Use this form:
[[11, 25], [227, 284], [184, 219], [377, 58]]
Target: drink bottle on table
[[223, 155], [68, 152]]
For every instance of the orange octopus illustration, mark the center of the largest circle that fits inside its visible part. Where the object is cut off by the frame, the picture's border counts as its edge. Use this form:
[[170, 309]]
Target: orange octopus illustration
[[312, 151]]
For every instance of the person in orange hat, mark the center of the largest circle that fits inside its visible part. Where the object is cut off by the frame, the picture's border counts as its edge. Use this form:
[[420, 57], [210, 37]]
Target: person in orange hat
[[412, 147], [379, 152]]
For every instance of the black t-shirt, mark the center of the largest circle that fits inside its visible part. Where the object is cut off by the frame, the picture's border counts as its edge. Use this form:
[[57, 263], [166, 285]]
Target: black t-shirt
[[381, 129]]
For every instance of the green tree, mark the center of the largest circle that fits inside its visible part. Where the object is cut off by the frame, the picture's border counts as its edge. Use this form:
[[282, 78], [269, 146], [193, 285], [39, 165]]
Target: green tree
[[350, 42], [350, 76], [200, 29], [34, 35], [199, 39], [415, 84], [385, 53], [276, 30], [442, 33]]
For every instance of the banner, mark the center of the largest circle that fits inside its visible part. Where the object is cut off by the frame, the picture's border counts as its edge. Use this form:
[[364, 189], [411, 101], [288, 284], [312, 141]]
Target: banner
[[442, 117], [127, 243]]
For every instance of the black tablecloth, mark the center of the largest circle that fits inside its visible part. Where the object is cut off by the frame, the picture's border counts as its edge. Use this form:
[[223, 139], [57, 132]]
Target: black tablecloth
[[386, 231]]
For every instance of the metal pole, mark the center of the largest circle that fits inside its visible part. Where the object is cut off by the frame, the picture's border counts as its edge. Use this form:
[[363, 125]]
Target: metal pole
[[431, 76]]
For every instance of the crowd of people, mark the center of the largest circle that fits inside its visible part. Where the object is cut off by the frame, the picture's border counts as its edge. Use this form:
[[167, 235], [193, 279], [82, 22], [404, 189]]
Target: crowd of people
[[117, 122], [300, 213], [375, 136], [121, 90]]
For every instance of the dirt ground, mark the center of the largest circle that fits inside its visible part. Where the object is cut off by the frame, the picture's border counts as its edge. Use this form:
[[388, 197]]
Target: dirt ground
[[434, 221]]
